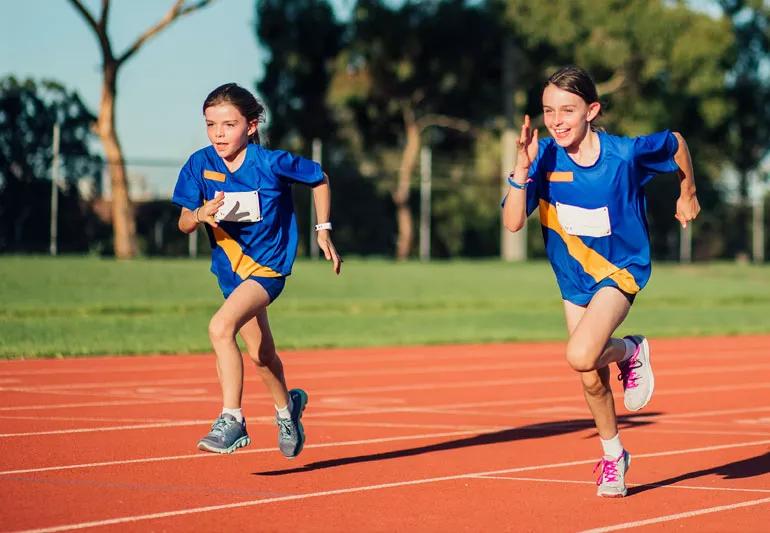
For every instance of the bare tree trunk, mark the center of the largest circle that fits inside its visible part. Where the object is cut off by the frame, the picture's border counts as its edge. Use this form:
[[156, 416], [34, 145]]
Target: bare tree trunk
[[123, 221], [404, 220], [414, 128], [124, 224]]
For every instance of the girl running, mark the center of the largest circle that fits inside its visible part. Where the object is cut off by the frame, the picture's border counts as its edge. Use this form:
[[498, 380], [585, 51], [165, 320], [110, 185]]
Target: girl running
[[242, 193], [589, 187]]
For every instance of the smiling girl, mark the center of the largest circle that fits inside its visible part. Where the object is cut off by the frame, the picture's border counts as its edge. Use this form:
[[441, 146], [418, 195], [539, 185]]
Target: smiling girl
[[241, 192], [589, 188]]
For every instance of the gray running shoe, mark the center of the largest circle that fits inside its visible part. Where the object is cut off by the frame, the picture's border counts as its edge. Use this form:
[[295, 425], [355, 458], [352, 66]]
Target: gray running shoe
[[636, 375], [226, 435], [612, 477], [291, 434]]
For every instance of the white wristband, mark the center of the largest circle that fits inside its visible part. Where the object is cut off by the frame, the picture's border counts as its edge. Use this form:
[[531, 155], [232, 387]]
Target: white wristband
[[324, 225]]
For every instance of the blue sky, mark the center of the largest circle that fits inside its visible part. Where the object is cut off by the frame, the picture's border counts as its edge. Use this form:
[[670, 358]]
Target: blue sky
[[161, 88]]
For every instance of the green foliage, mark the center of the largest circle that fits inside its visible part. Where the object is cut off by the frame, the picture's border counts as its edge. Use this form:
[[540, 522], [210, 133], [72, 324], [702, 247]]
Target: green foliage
[[422, 57], [28, 112], [81, 306], [748, 131], [658, 64], [303, 38]]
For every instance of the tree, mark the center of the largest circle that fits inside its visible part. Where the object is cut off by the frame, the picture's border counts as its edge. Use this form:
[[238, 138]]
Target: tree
[[303, 38], [657, 65], [410, 69], [124, 224], [28, 111], [749, 94]]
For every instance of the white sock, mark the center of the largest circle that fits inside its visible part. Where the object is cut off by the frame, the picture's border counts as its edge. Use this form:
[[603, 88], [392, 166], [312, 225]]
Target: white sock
[[284, 412], [612, 447], [630, 349], [234, 412]]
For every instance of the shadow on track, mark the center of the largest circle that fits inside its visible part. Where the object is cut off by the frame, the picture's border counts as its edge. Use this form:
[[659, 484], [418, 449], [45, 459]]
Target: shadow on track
[[533, 431], [755, 466]]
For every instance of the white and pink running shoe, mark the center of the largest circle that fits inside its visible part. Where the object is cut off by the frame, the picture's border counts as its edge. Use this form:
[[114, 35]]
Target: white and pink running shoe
[[612, 477], [636, 375]]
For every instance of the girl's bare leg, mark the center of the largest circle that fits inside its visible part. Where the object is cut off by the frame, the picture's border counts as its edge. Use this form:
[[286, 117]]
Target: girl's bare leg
[[242, 305], [590, 349], [261, 348]]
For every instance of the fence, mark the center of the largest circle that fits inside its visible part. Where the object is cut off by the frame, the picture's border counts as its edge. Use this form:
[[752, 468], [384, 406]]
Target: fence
[[455, 205]]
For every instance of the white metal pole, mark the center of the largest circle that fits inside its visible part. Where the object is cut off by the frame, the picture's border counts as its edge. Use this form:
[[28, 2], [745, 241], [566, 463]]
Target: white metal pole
[[312, 241], [192, 243], [425, 195], [685, 243], [55, 190], [758, 237], [757, 221], [513, 246]]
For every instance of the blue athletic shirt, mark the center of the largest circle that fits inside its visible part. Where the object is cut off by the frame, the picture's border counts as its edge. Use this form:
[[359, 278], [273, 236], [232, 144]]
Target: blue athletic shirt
[[266, 248], [593, 218]]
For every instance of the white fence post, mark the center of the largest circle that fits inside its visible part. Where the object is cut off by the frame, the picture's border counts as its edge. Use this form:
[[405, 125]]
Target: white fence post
[[53, 248], [312, 241], [425, 196]]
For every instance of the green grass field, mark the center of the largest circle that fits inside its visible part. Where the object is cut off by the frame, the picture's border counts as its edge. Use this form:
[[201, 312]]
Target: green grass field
[[85, 305]]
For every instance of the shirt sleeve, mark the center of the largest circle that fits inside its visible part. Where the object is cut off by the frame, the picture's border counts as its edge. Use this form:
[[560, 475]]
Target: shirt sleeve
[[188, 191], [654, 154], [295, 168]]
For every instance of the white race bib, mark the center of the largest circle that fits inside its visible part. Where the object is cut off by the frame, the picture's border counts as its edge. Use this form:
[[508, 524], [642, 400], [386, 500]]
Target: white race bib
[[239, 207], [584, 222]]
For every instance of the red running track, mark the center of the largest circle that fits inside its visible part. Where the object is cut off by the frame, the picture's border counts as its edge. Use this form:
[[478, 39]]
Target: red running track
[[479, 438]]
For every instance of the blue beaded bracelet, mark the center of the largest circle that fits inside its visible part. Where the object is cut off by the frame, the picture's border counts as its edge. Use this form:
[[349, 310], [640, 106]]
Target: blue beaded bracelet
[[520, 186]]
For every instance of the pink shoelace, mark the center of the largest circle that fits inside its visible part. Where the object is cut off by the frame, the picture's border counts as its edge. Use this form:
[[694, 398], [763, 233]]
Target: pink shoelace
[[627, 374], [609, 470]]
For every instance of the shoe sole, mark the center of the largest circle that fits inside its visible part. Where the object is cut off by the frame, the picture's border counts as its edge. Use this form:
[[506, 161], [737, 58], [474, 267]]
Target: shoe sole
[[644, 345], [240, 443], [625, 489], [304, 397]]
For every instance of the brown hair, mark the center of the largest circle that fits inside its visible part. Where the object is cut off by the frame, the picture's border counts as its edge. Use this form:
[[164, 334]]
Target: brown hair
[[577, 81], [242, 100]]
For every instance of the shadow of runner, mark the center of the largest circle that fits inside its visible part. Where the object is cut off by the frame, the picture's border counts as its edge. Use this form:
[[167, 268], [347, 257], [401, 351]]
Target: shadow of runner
[[756, 466], [533, 431]]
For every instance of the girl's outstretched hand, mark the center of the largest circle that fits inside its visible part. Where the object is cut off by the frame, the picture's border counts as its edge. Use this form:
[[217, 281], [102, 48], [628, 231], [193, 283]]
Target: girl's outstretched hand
[[527, 145], [207, 211], [687, 209], [330, 252]]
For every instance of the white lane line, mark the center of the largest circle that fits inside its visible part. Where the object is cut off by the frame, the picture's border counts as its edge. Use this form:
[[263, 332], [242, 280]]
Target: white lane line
[[474, 431], [679, 431], [366, 488], [304, 358], [179, 423], [368, 390], [445, 409], [300, 359], [699, 414], [203, 455], [83, 404], [84, 419], [656, 485], [96, 369], [678, 516], [462, 430], [690, 370]]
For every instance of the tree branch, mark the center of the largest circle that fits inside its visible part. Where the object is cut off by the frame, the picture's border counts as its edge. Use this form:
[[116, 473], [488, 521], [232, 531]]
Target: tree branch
[[86, 15], [97, 27], [105, 15], [444, 121], [176, 11], [611, 85]]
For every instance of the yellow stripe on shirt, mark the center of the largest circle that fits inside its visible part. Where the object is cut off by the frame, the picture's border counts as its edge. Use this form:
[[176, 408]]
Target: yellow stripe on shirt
[[595, 265], [242, 264]]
